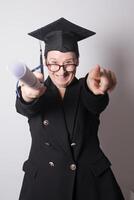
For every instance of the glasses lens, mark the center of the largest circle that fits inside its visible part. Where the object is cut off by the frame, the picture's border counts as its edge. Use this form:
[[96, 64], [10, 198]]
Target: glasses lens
[[69, 67], [56, 67], [53, 67]]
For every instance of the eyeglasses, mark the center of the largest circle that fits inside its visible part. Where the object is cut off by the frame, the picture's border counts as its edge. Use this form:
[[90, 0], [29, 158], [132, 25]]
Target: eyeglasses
[[56, 67]]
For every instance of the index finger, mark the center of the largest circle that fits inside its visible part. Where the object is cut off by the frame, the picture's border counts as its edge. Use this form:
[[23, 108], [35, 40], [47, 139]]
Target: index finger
[[95, 73]]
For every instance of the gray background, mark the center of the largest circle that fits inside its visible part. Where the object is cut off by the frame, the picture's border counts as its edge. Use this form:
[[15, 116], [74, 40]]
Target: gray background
[[111, 47]]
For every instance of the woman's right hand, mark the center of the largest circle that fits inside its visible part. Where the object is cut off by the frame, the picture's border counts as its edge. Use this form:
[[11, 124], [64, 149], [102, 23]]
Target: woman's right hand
[[28, 93]]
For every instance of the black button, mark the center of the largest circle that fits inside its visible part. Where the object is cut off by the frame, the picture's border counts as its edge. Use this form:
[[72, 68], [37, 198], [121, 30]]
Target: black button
[[73, 144], [51, 164], [73, 167], [46, 122], [47, 144]]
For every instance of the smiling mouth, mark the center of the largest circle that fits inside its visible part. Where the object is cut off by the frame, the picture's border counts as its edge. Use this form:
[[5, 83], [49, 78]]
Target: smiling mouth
[[62, 77]]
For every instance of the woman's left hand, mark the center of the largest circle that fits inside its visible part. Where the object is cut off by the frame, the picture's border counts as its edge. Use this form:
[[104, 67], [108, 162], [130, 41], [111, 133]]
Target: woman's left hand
[[101, 80]]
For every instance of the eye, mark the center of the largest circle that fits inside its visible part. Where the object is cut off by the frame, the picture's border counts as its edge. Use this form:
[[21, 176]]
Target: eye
[[70, 61], [53, 63]]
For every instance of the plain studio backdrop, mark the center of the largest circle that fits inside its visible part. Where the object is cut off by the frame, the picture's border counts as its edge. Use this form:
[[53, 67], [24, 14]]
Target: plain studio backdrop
[[112, 47]]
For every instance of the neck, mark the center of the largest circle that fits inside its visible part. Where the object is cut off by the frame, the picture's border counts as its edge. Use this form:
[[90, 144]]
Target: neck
[[62, 92]]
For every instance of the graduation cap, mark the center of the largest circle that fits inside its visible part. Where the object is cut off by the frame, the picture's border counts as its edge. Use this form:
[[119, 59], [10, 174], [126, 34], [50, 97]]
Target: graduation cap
[[61, 35]]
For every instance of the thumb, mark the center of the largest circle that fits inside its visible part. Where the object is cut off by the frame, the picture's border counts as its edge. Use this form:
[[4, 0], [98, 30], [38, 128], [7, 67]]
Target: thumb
[[39, 76]]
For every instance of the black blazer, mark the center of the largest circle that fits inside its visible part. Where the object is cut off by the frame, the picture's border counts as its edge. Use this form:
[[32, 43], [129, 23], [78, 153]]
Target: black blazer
[[65, 160]]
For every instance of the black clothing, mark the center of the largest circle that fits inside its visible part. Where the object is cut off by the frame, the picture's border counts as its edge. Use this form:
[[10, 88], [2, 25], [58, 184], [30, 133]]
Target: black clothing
[[65, 161]]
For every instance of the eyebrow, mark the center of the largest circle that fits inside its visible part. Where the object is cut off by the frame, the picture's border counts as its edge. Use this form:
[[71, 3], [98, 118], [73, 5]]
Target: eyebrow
[[70, 59], [53, 60], [67, 60]]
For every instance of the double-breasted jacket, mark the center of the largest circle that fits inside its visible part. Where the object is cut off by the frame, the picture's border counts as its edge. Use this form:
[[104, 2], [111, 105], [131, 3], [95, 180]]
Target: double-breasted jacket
[[65, 161]]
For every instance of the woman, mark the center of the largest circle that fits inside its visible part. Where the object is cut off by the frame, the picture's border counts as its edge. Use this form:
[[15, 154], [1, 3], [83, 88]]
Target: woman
[[65, 161]]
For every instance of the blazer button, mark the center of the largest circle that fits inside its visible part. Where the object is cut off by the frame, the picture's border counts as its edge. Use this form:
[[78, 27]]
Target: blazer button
[[73, 144], [46, 122], [51, 164], [73, 167], [47, 144]]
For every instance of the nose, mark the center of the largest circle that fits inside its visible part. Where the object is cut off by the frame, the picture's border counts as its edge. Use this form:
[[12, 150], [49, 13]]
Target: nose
[[61, 71]]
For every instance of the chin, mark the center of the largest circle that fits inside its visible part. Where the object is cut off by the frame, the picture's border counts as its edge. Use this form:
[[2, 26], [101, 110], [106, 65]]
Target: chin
[[62, 84], [63, 81]]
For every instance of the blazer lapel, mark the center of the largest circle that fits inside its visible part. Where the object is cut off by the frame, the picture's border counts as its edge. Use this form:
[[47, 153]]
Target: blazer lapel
[[57, 131], [72, 110], [70, 105]]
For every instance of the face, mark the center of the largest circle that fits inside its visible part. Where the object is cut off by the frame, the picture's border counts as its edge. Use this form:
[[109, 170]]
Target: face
[[61, 78]]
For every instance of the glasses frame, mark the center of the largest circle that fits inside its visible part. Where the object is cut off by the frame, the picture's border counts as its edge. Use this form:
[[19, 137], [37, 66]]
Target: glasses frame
[[64, 66]]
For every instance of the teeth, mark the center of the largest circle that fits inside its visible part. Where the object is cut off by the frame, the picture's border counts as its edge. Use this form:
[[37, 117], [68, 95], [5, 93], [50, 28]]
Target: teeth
[[61, 77]]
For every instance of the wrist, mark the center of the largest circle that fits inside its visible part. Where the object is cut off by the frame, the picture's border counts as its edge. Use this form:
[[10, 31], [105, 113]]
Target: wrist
[[28, 99]]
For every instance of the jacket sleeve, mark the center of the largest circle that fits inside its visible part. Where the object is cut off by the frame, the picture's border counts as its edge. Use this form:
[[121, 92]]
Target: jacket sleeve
[[94, 103], [28, 109]]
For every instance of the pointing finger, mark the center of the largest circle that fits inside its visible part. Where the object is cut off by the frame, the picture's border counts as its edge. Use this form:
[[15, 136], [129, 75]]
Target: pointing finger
[[95, 73]]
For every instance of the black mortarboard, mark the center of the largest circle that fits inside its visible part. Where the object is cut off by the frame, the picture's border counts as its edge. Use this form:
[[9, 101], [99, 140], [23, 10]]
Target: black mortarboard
[[61, 35]]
